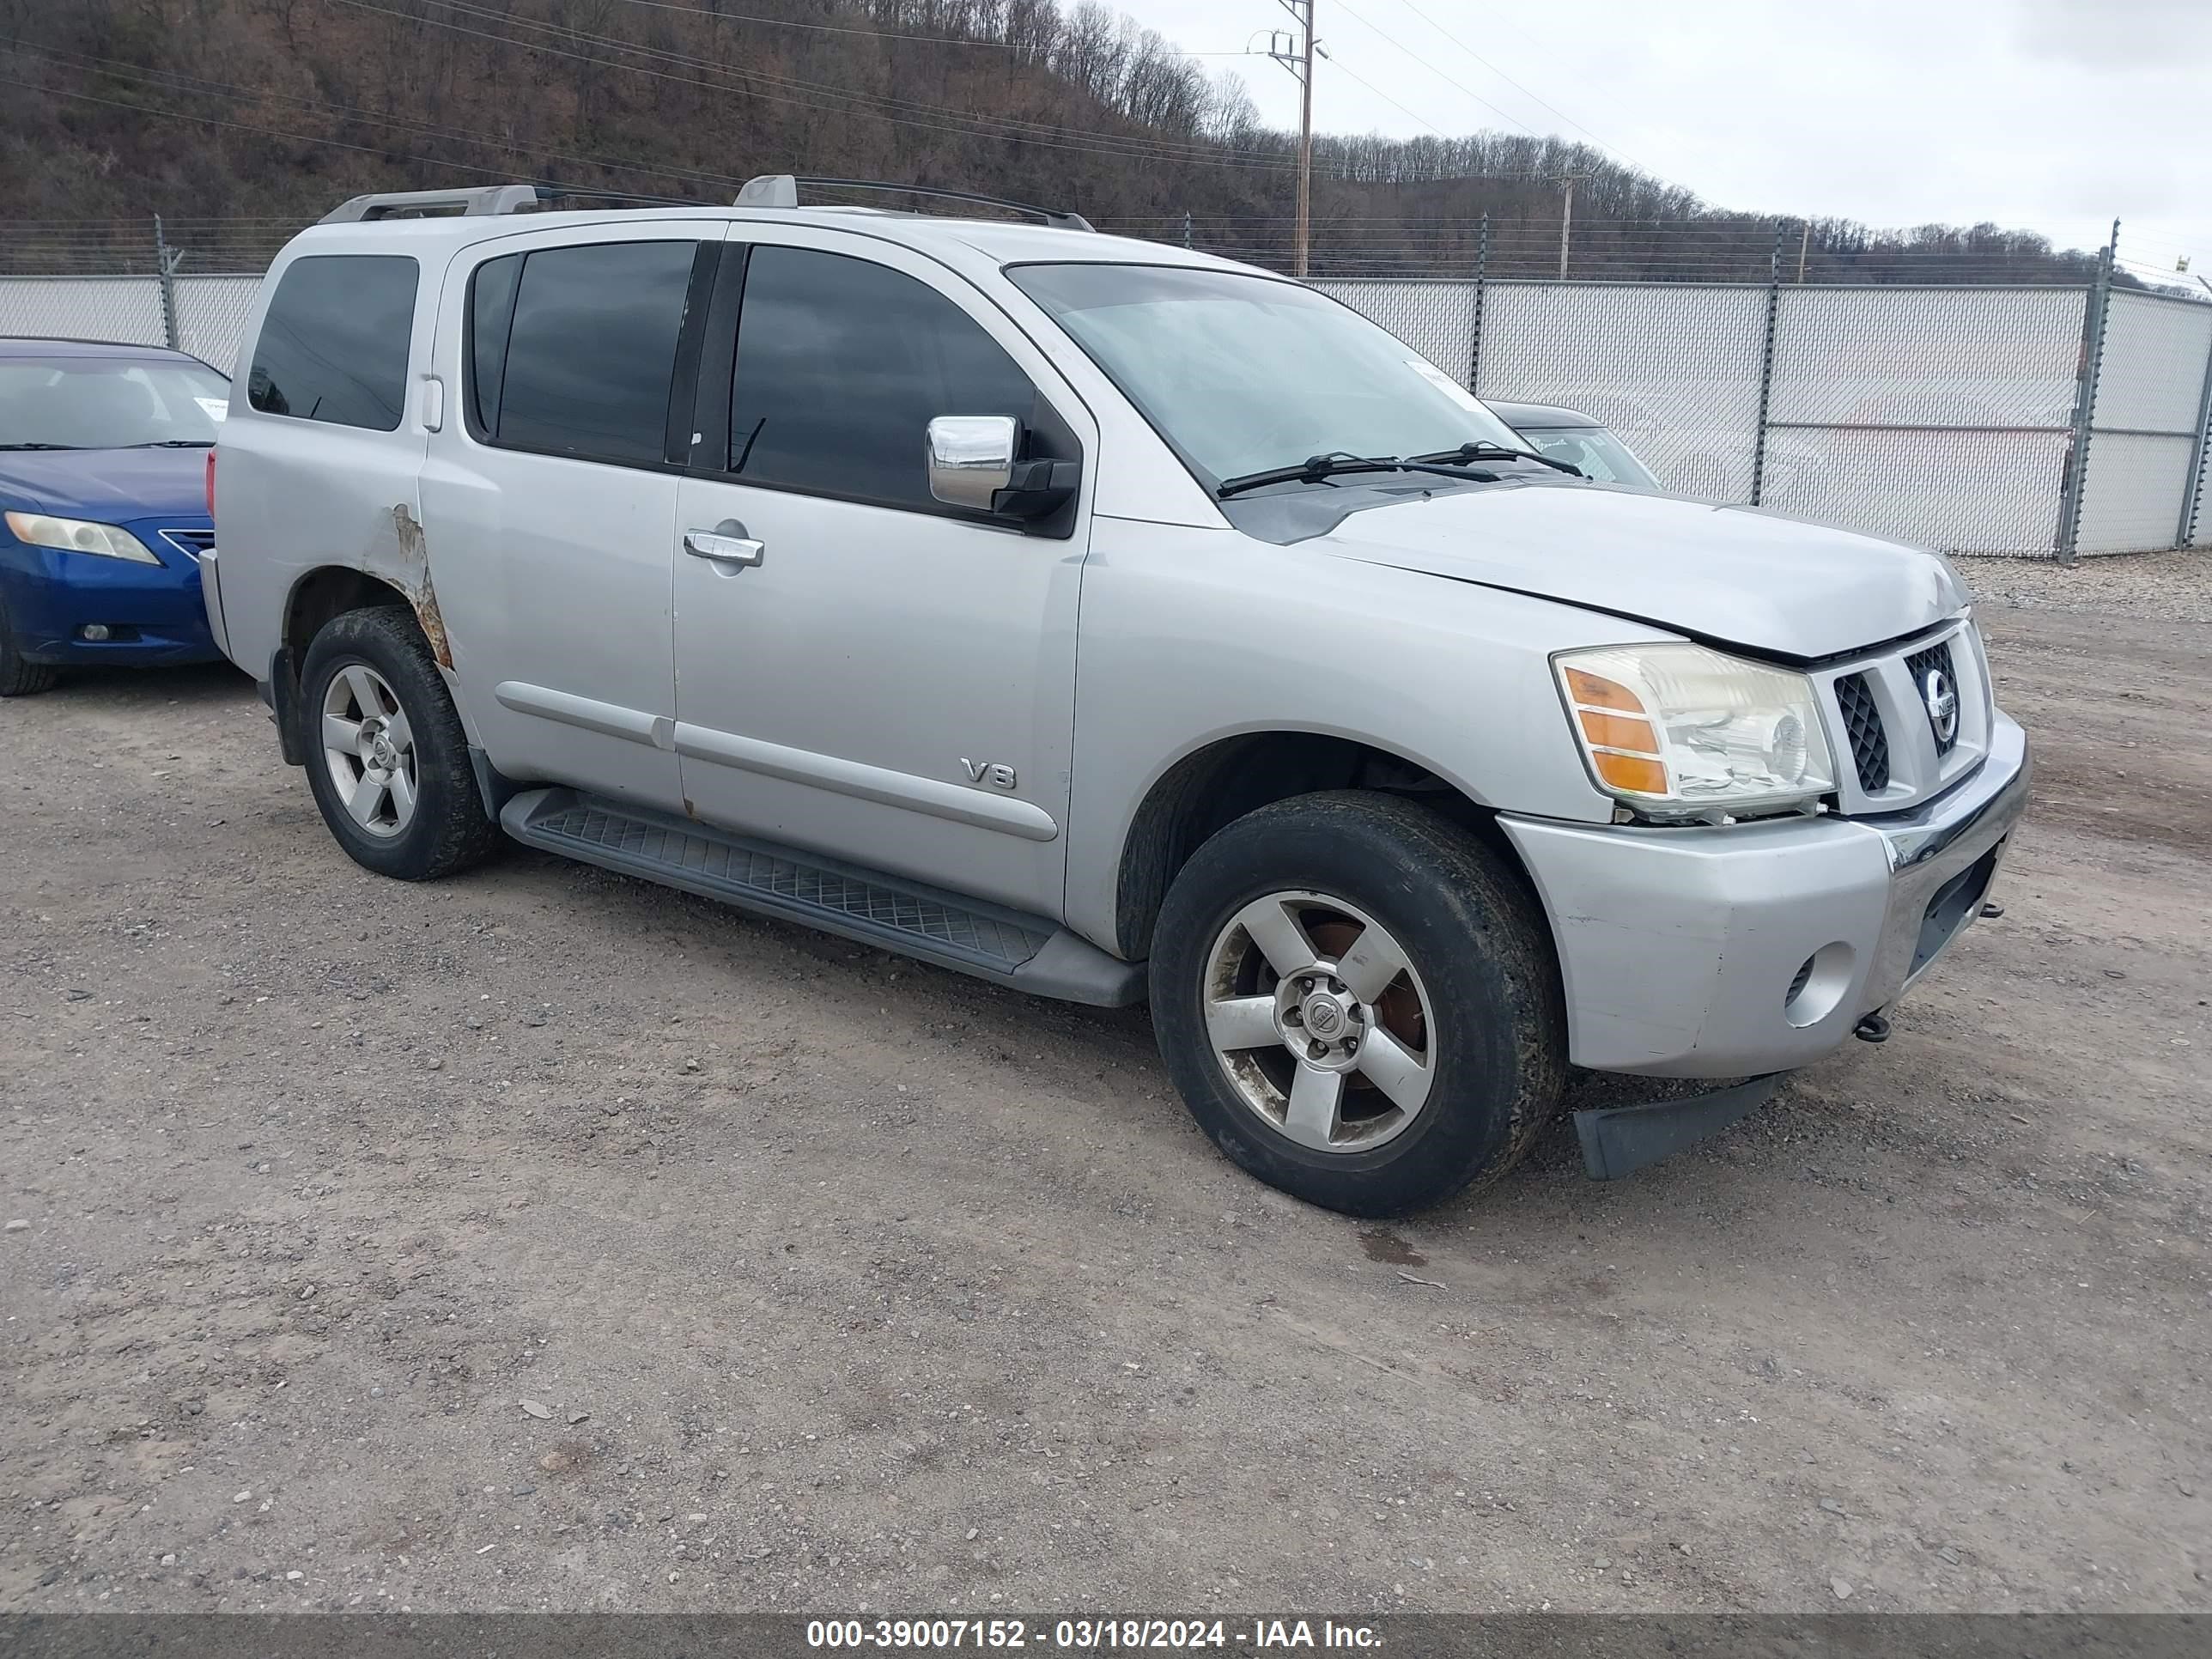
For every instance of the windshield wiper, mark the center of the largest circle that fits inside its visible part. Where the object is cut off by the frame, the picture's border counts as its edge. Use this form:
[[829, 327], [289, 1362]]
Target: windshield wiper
[[41, 446], [1316, 468], [174, 443], [1499, 453]]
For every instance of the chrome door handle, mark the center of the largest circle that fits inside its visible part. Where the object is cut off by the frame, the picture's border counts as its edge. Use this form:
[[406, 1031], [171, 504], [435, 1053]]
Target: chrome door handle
[[722, 550]]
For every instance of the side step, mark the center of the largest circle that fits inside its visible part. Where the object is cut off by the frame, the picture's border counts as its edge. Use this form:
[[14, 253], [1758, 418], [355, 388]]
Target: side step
[[1027, 952]]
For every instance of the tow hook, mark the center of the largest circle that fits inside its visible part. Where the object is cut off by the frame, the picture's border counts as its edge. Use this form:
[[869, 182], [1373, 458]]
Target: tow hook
[[1871, 1028]]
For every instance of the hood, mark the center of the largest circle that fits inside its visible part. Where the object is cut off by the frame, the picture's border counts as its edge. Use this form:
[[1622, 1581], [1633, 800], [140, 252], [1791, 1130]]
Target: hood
[[110, 486], [1734, 574]]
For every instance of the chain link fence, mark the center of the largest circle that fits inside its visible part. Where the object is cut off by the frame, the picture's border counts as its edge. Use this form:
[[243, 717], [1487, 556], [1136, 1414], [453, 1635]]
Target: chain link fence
[[2029, 421], [2022, 421]]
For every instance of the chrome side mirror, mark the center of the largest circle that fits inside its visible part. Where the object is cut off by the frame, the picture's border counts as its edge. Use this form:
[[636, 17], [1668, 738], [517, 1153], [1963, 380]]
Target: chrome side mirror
[[971, 458]]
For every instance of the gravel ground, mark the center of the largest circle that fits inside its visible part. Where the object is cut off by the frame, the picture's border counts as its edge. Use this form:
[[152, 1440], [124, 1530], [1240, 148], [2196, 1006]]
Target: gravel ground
[[541, 1239], [2174, 586]]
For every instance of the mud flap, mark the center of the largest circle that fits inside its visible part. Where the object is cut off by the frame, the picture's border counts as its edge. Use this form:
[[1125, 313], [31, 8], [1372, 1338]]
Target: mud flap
[[1619, 1140]]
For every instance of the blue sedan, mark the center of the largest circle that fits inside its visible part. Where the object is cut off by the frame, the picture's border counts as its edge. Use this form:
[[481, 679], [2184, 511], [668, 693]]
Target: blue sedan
[[103, 506]]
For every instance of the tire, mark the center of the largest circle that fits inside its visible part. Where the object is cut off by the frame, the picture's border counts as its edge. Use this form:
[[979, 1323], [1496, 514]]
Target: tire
[[409, 808], [19, 679], [1472, 1030]]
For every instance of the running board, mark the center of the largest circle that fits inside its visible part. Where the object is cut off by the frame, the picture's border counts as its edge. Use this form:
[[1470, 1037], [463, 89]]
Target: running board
[[1027, 952]]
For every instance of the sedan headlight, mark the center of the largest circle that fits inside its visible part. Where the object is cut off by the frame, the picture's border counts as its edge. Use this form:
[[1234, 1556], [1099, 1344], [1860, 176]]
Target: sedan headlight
[[108, 541], [1681, 732]]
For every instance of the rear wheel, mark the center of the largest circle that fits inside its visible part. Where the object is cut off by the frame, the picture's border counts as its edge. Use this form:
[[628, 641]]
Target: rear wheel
[[386, 757], [1359, 1003], [19, 679]]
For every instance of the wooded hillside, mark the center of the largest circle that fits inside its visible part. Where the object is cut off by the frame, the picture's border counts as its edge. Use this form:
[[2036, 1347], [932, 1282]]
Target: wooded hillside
[[239, 119]]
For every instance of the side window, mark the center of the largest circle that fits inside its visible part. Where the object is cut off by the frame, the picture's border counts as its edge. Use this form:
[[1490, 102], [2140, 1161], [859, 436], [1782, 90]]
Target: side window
[[572, 350], [841, 366], [491, 313], [333, 345]]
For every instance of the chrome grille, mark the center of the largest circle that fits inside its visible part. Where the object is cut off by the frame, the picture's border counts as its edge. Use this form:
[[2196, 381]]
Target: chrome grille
[[1876, 705], [1937, 657], [1862, 725]]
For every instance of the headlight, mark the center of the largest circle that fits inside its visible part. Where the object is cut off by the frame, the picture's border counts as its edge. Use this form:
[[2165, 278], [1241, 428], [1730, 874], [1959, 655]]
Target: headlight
[[1681, 732], [76, 536]]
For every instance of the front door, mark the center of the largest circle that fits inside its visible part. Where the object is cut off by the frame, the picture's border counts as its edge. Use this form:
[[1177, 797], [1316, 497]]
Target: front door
[[862, 670]]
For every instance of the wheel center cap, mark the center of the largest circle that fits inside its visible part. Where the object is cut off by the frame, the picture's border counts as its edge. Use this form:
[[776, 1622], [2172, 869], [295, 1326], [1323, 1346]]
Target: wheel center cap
[[1324, 1016]]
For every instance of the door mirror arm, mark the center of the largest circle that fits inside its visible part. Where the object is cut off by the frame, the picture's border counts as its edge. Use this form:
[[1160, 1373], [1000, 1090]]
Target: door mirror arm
[[1035, 489]]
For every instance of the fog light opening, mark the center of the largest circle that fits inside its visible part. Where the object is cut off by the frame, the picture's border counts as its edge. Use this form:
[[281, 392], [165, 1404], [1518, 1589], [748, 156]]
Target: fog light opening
[[1818, 987]]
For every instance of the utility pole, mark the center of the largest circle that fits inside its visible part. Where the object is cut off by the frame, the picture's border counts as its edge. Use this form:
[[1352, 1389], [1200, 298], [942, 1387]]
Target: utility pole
[[1566, 219], [1804, 243], [166, 261], [1297, 56]]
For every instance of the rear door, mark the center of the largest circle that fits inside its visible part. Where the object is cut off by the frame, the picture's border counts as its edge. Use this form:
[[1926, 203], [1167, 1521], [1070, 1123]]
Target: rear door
[[887, 679], [548, 497]]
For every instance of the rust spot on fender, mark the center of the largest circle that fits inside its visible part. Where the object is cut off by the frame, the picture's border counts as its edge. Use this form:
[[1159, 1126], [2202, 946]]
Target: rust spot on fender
[[414, 579]]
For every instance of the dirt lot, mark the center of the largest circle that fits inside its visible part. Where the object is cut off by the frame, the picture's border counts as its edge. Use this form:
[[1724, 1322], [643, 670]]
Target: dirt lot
[[543, 1239]]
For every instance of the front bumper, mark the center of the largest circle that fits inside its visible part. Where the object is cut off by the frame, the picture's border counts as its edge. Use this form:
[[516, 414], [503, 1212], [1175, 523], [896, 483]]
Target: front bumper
[[153, 613], [1684, 952]]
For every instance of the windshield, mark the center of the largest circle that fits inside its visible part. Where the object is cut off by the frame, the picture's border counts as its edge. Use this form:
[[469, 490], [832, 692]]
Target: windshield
[[1242, 374], [108, 403], [1593, 449]]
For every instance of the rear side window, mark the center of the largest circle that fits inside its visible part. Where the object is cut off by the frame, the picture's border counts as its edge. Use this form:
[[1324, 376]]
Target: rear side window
[[333, 345], [572, 350], [841, 366]]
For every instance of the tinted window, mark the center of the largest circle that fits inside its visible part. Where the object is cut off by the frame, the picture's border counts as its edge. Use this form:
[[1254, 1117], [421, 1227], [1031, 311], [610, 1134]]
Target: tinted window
[[841, 366], [591, 351], [491, 309], [333, 345]]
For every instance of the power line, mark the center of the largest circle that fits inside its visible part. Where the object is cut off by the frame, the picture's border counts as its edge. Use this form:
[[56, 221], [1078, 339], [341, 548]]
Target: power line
[[243, 126], [1345, 69], [171, 81], [1089, 140], [705, 16], [1396, 44], [1410, 6]]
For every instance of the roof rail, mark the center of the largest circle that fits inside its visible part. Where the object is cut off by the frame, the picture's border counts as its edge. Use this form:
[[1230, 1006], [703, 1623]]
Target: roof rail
[[488, 199], [392, 204], [780, 189]]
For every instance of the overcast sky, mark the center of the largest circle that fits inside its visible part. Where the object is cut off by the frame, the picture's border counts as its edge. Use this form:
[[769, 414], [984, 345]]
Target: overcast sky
[[2052, 115]]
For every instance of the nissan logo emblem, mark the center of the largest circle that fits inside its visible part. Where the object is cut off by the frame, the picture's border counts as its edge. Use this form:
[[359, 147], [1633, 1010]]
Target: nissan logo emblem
[[1942, 704]]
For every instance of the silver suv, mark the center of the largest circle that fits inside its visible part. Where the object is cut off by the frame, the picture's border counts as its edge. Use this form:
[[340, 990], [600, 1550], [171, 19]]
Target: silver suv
[[1107, 621]]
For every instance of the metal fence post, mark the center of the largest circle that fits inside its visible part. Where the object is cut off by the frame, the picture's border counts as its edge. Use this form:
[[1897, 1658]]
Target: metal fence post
[[2085, 403], [1185, 232], [1766, 366], [166, 259], [2192, 492], [1481, 276]]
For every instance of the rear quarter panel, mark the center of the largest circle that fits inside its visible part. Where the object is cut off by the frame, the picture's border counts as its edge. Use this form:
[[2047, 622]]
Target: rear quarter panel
[[292, 495]]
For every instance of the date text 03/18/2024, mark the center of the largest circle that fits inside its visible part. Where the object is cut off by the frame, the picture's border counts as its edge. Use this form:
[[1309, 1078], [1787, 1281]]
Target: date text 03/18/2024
[[1128, 1634]]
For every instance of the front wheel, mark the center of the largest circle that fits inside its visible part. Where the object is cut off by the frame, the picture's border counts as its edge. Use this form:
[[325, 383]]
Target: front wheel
[[1358, 1002], [19, 679]]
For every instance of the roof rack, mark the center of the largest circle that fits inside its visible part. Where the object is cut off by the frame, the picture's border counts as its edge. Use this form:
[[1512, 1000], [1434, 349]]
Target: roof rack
[[481, 199], [407, 204], [780, 189]]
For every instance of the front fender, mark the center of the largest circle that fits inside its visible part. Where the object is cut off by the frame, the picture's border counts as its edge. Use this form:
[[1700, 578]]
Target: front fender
[[1192, 635]]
